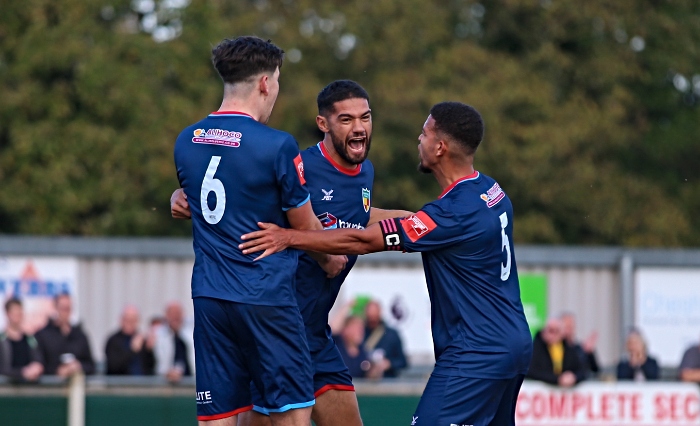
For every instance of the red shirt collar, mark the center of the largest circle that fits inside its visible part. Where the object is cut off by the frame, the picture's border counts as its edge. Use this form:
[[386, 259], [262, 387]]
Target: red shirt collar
[[231, 113], [344, 170], [458, 181]]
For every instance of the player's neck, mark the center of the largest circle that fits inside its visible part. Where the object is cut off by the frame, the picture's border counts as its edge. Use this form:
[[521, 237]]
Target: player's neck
[[330, 149], [447, 174]]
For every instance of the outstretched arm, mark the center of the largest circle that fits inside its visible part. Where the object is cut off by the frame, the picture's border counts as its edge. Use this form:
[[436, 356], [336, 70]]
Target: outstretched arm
[[376, 215], [273, 239]]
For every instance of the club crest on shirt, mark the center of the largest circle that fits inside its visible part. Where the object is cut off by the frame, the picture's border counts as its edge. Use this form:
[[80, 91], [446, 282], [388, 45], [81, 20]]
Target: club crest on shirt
[[365, 199], [493, 195], [217, 137]]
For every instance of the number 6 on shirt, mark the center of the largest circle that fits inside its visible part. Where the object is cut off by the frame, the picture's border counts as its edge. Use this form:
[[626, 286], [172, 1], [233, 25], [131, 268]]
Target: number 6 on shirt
[[210, 184], [505, 270]]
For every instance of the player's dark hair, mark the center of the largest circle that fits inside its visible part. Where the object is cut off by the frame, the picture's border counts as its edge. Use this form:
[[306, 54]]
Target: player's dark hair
[[460, 122], [243, 57], [338, 91], [12, 301]]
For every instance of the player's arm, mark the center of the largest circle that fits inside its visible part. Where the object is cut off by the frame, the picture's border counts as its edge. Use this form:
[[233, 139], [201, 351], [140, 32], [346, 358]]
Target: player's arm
[[377, 215], [385, 235], [179, 207], [303, 218]]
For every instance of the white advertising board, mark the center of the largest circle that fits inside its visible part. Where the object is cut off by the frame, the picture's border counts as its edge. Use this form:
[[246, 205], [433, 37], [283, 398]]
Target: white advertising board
[[36, 280], [609, 404], [667, 311], [405, 303]]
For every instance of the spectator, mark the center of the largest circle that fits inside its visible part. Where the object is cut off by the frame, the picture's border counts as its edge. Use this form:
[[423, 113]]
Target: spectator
[[20, 358], [638, 366], [128, 351], [586, 349], [64, 347], [690, 365], [173, 345], [382, 341], [349, 344], [554, 361]]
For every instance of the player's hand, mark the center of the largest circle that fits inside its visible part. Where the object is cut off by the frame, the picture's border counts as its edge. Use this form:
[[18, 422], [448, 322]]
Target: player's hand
[[179, 207], [271, 238], [334, 265]]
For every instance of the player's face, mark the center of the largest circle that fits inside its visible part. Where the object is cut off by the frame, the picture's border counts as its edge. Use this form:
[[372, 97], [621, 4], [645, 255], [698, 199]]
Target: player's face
[[350, 128], [427, 140], [273, 87]]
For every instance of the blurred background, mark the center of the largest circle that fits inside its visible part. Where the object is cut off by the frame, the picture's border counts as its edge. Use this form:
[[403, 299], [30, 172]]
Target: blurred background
[[592, 114]]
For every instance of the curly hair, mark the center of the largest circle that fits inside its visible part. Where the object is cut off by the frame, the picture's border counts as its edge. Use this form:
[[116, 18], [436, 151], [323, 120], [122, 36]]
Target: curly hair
[[460, 122]]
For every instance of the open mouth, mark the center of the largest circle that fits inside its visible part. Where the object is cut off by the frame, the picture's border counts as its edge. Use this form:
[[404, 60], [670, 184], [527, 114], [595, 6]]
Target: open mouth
[[357, 145]]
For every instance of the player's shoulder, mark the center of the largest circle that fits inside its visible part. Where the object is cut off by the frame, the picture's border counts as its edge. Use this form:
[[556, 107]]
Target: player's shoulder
[[312, 153]]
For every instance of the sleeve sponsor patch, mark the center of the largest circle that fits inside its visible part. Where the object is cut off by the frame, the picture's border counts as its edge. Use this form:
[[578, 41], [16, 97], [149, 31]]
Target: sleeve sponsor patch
[[393, 239], [417, 226], [299, 165]]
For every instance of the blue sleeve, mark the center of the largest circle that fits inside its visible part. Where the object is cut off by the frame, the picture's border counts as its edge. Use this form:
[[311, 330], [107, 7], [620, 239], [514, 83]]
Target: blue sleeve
[[431, 228], [289, 169]]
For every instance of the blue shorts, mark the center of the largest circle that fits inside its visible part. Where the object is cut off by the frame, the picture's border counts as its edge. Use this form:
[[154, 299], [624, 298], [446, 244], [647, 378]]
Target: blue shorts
[[330, 373], [239, 346], [449, 399]]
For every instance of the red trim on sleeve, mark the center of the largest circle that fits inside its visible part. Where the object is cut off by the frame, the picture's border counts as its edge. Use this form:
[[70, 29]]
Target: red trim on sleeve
[[460, 180], [417, 226], [341, 169], [224, 415], [333, 387], [299, 165], [232, 112]]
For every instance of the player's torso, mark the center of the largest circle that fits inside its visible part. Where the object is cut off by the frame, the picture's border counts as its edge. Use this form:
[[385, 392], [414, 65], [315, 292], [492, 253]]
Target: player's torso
[[227, 166], [473, 284], [341, 199]]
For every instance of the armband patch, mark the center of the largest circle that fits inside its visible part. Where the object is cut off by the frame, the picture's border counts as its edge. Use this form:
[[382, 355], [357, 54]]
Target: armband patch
[[417, 226], [393, 237], [299, 165]]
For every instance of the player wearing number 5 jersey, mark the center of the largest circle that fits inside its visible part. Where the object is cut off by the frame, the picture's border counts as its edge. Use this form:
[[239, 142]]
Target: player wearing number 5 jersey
[[236, 171], [481, 339]]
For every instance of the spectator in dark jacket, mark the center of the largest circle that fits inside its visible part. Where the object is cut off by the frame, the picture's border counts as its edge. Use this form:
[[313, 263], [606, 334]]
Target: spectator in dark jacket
[[585, 349], [129, 352], [554, 361], [65, 347], [20, 358], [349, 343], [382, 342], [638, 366]]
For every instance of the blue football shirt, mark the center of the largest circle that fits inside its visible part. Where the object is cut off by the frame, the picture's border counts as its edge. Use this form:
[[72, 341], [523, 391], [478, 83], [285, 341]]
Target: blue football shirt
[[341, 198], [466, 241], [236, 172]]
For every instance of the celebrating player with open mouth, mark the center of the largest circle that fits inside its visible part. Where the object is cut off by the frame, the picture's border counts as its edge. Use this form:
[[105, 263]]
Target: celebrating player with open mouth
[[481, 339], [339, 178]]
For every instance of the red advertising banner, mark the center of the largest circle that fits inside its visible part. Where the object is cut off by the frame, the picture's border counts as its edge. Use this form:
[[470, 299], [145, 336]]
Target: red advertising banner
[[599, 403]]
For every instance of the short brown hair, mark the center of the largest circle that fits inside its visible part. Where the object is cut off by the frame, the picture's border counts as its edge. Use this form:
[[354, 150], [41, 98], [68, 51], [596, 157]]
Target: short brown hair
[[12, 301], [243, 57]]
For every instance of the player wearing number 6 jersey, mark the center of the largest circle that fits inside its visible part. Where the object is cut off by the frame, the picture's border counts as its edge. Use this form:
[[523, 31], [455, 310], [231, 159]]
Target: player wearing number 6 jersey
[[481, 339], [236, 171]]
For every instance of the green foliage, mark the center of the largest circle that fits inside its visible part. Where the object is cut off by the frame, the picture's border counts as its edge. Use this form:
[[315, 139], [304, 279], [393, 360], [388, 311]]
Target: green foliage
[[590, 127]]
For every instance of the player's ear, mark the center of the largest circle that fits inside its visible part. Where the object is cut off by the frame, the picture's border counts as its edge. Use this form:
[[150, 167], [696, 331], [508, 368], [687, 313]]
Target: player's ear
[[264, 84], [322, 124], [441, 148]]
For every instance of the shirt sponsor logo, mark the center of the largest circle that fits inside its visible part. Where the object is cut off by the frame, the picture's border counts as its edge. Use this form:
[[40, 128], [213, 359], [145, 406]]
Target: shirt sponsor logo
[[299, 164], [327, 195], [493, 195], [417, 226], [218, 137], [204, 397], [365, 199], [331, 222]]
